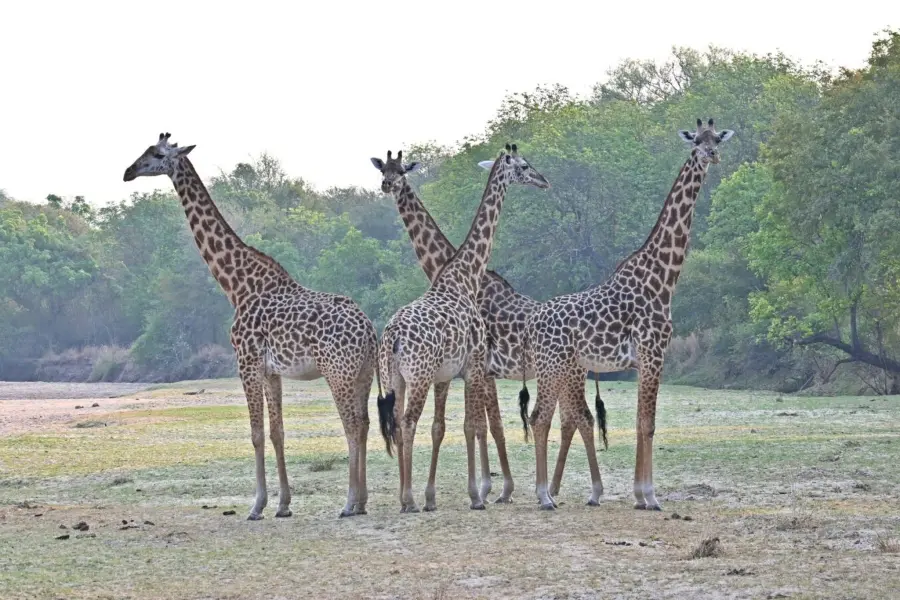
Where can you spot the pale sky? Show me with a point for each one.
(322, 86)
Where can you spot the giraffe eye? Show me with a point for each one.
(158, 155)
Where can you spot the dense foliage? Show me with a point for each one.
(792, 279)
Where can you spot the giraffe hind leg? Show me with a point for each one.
(438, 429)
(276, 433)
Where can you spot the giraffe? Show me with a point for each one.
(280, 329)
(624, 323)
(442, 335)
(502, 309)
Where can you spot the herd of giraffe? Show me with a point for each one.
(470, 323)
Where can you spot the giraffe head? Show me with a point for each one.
(705, 141)
(517, 168)
(158, 159)
(393, 171)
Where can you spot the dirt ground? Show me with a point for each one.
(764, 496)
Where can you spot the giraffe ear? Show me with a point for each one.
(379, 164)
(725, 135)
(185, 151)
(687, 136)
(486, 164)
(413, 166)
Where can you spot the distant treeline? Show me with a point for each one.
(791, 282)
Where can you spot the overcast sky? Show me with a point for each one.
(322, 86)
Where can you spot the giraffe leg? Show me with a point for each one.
(418, 394)
(541, 419)
(346, 399)
(399, 387)
(567, 432)
(251, 378)
(364, 388)
(481, 431)
(586, 428)
(276, 433)
(650, 368)
(470, 428)
(438, 428)
(495, 419)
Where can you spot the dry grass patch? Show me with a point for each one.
(710, 547)
(887, 545)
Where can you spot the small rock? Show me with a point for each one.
(741, 571)
(138, 490)
(207, 506)
(63, 526)
(39, 515)
(395, 571)
(85, 535)
(95, 405)
(754, 431)
(675, 516)
(81, 526)
(228, 513)
(688, 518)
(643, 544)
(124, 521)
(64, 536)
(77, 406)
(128, 526)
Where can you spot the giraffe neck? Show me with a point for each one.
(467, 266)
(432, 247)
(666, 246)
(240, 270)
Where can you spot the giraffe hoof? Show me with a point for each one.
(593, 503)
(283, 513)
(410, 509)
(361, 511)
(346, 513)
(502, 500)
(479, 506)
(255, 517)
(548, 506)
(655, 507)
(640, 506)
(430, 508)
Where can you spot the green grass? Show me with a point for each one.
(802, 505)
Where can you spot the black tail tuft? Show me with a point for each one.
(524, 399)
(387, 421)
(601, 420)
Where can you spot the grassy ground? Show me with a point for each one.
(800, 492)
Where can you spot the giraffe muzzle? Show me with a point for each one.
(129, 175)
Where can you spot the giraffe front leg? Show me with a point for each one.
(438, 428)
(495, 420)
(470, 429)
(251, 379)
(276, 433)
(648, 388)
(567, 432)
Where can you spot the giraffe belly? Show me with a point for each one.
(449, 370)
(605, 360)
(302, 368)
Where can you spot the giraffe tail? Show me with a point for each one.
(524, 398)
(601, 413)
(386, 419)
